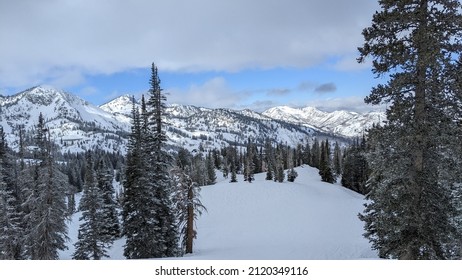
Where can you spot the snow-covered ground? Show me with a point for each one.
(304, 220)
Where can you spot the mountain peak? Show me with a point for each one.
(121, 105)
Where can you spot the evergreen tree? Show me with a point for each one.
(135, 214)
(315, 154)
(270, 160)
(105, 177)
(232, 154)
(279, 175)
(355, 168)
(233, 173)
(337, 161)
(416, 44)
(249, 168)
(10, 216)
(291, 175)
(211, 175)
(93, 237)
(307, 154)
(45, 188)
(325, 169)
(154, 234)
(187, 203)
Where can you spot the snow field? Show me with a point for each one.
(265, 220)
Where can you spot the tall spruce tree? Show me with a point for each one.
(45, 188)
(160, 162)
(105, 177)
(337, 160)
(410, 211)
(135, 214)
(355, 167)
(11, 245)
(154, 232)
(249, 162)
(93, 237)
(325, 169)
(210, 166)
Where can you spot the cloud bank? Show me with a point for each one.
(60, 42)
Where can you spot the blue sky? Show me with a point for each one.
(237, 54)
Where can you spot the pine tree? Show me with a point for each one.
(187, 202)
(93, 237)
(325, 169)
(307, 154)
(279, 175)
(337, 160)
(355, 167)
(315, 154)
(233, 173)
(249, 161)
(154, 233)
(135, 214)
(11, 246)
(105, 177)
(211, 175)
(45, 188)
(291, 175)
(416, 45)
(270, 160)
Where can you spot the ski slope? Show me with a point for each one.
(264, 220)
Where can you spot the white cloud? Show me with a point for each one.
(214, 93)
(82, 37)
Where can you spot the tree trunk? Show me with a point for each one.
(190, 223)
(420, 117)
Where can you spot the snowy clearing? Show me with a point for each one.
(304, 220)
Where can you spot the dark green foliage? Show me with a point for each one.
(93, 238)
(291, 175)
(325, 169)
(233, 173)
(355, 167)
(187, 200)
(149, 220)
(279, 174)
(315, 154)
(211, 175)
(104, 177)
(11, 230)
(250, 162)
(44, 188)
(337, 160)
(411, 211)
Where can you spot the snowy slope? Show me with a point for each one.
(74, 124)
(307, 219)
(344, 123)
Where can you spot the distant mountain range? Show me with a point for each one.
(348, 124)
(75, 125)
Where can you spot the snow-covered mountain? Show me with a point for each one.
(348, 124)
(190, 126)
(75, 125)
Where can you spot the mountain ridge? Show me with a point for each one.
(76, 125)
